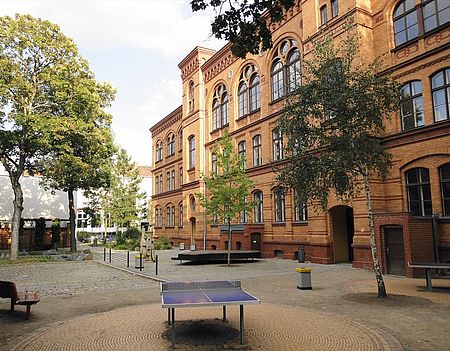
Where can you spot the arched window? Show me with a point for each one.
(285, 72)
(172, 221)
(323, 15)
(411, 105)
(192, 152)
(440, 86)
(444, 178)
(159, 151)
(171, 145)
(173, 179)
(192, 203)
(220, 107)
(243, 215)
(180, 214)
(419, 192)
(181, 176)
(277, 142)
(258, 209)
(191, 96)
(248, 90)
(214, 163)
(405, 22)
(168, 223)
(168, 181)
(161, 189)
(300, 209)
(181, 140)
(279, 205)
(435, 13)
(257, 152)
(242, 152)
(334, 8)
(156, 185)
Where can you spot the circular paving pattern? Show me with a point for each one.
(267, 327)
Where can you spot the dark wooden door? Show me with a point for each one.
(256, 241)
(395, 251)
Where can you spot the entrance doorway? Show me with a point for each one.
(193, 228)
(395, 251)
(255, 241)
(343, 231)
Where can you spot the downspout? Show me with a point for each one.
(435, 232)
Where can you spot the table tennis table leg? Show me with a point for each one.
(168, 316)
(241, 324)
(224, 312)
(173, 328)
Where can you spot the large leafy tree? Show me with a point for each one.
(245, 23)
(333, 124)
(37, 63)
(227, 187)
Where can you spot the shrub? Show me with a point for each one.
(56, 231)
(162, 243)
(83, 236)
(39, 232)
(133, 233)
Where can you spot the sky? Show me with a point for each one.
(135, 45)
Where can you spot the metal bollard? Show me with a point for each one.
(156, 265)
(128, 259)
(140, 261)
(104, 254)
(109, 255)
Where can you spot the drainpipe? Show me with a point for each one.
(435, 231)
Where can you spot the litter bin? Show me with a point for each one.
(301, 254)
(304, 278)
(137, 262)
(181, 246)
(192, 247)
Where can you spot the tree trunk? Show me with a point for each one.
(17, 215)
(229, 244)
(72, 217)
(373, 247)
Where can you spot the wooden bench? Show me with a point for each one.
(428, 267)
(8, 291)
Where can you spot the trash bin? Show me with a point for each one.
(301, 254)
(137, 262)
(304, 278)
(181, 246)
(192, 247)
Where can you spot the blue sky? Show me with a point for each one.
(134, 45)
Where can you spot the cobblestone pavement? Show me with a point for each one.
(90, 306)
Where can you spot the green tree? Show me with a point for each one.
(245, 23)
(35, 61)
(333, 124)
(227, 188)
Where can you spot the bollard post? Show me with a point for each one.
(140, 261)
(156, 264)
(128, 259)
(104, 254)
(109, 255)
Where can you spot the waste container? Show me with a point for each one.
(137, 262)
(301, 254)
(181, 246)
(304, 278)
(192, 247)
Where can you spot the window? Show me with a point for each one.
(161, 189)
(279, 202)
(419, 193)
(191, 96)
(159, 151)
(191, 152)
(258, 209)
(440, 87)
(444, 177)
(257, 154)
(214, 163)
(173, 179)
(405, 22)
(157, 185)
(334, 8)
(168, 181)
(285, 71)
(168, 223)
(248, 90)
(181, 176)
(243, 215)
(180, 214)
(277, 142)
(323, 15)
(158, 217)
(220, 107)
(181, 140)
(242, 153)
(172, 221)
(435, 13)
(300, 210)
(171, 145)
(411, 105)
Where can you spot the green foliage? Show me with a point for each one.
(83, 236)
(39, 232)
(333, 122)
(27, 260)
(162, 243)
(56, 231)
(133, 233)
(245, 23)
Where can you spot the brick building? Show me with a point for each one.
(412, 207)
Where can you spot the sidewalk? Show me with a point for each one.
(89, 306)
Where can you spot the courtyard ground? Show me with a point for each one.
(93, 305)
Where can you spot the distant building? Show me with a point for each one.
(412, 207)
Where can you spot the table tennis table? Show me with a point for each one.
(205, 293)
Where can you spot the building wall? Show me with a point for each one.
(323, 235)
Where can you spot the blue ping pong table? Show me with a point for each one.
(206, 293)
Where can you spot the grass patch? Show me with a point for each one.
(26, 260)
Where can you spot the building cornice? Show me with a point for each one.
(167, 121)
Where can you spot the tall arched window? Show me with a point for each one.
(411, 105)
(156, 185)
(444, 178)
(173, 179)
(279, 205)
(435, 13)
(300, 209)
(334, 8)
(242, 152)
(161, 189)
(171, 145)
(323, 15)
(419, 192)
(277, 142)
(159, 151)
(248, 90)
(285, 71)
(180, 214)
(214, 163)
(220, 107)
(257, 152)
(258, 209)
(440, 86)
(191, 96)
(168, 222)
(192, 152)
(405, 22)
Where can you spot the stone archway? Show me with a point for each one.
(343, 232)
